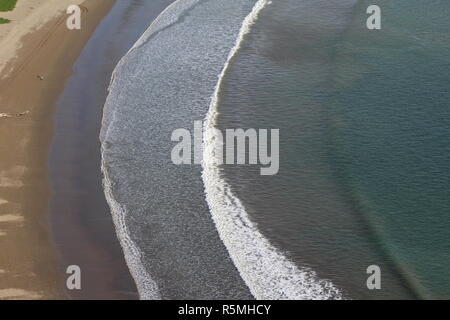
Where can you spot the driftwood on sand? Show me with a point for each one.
(17, 115)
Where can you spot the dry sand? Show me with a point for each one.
(37, 52)
(28, 16)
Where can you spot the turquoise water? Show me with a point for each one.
(364, 128)
(391, 143)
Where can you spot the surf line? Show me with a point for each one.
(147, 287)
(265, 270)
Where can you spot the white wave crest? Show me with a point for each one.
(147, 287)
(265, 270)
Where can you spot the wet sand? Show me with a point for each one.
(81, 220)
(30, 265)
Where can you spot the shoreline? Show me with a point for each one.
(30, 259)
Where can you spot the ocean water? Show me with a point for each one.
(364, 161)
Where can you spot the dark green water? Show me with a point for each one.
(364, 140)
(391, 143)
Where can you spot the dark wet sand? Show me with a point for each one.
(29, 263)
(81, 220)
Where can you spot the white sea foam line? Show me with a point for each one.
(147, 287)
(165, 19)
(159, 23)
(265, 270)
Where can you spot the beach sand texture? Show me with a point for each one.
(28, 16)
(37, 52)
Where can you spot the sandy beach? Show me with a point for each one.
(37, 52)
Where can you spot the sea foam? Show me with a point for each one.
(265, 270)
(147, 287)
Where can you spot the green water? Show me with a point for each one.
(391, 135)
(364, 140)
